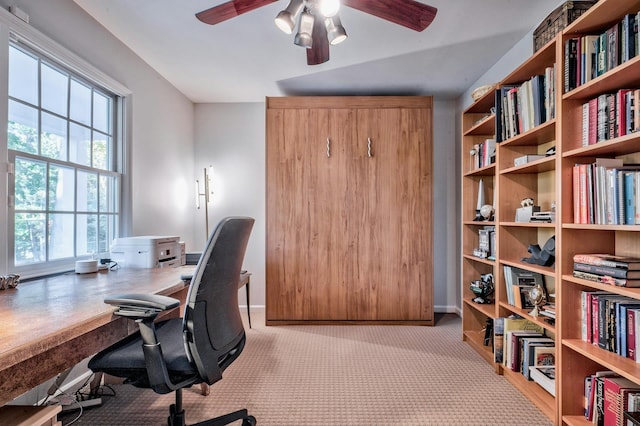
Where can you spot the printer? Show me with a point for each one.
(147, 252)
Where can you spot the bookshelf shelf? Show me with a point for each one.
(537, 136)
(486, 309)
(576, 421)
(524, 313)
(627, 74)
(609, 360)
(487, 126)
(627, 144)
(623, 291)
(528, 224)
(478, 223)
(602, 16)
(479, 259)
(538, 166)
(540, 397)
(475, 340)
(594, 227)
(489, 170)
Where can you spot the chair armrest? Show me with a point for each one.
(138, 306)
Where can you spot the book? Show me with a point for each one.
(608, 260)
(606, 270)
(545, 376)
(503, 327)
(615, 401)
(570, 64)
(536, 351)
(595, 409)
(605, 279)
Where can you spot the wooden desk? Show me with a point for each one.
(49, 325)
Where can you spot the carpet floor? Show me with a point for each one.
(325, 375)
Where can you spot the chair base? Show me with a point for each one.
(177, 416)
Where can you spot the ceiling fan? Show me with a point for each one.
(319, 27)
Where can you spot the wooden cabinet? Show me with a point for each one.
(349, 209)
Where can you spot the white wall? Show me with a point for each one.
(231, 137)
(161, 129)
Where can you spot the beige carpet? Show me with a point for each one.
(342, 375)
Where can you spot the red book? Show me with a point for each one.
(621, 112)
(614, 403)
(631, 334)
(594, 320)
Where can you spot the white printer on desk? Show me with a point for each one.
(146, 252)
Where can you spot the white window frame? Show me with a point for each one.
(14, 30)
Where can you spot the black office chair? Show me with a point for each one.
(177, 353)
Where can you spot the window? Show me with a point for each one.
(64, 188)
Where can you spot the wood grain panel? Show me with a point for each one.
(348, 234)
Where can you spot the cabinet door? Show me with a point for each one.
(307, 272)
(391, 223)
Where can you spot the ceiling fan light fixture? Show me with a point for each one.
(305, 29)
(335, 31)
(329, 8)
(286, 18)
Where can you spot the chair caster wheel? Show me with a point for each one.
(249, 421)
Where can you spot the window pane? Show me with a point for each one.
(101, 112)
(79, 144)
(29, 238)
(54, 137)
(80, 105)
(60, 231)
(107, 232)
(87, 192)
(87, 234)
(23, 76)
(30, 185)
(22, 130)
(100, 151)
(61, 188)
(107, 194)
(54, 90)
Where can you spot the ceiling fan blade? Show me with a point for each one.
(408, 13)
(319, 52)
(230, 10)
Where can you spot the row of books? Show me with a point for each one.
(606, 192)
(522, 107)
(621, 271)
(590, 56)
(520, 345)
(608, 396)
(484, 153)
(611, 322)
(610, 115)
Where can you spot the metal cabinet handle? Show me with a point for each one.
(369, 147)
(328, 148)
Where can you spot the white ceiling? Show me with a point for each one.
(247, 58)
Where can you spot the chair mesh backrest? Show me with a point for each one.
(212, 322)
